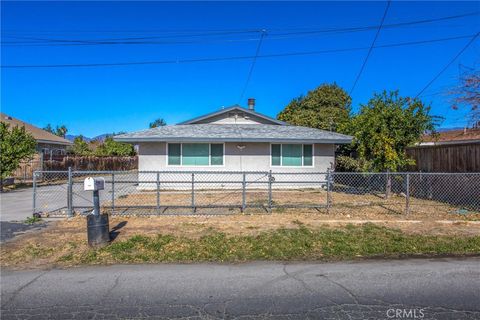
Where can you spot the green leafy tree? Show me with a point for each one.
(385, 126)
(15, 145)
(158, 123)
(327, 107)
(60, 131)
(109, 147)
(80, 147)
(49, 128)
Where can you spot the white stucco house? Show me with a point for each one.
(235, 139)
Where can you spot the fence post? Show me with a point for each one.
(34, 191)
(113, 192)
(193, 192)
(70, 193)
(407, 195)
(244, 185)
(158, 192)
(329, 186)
(270, 191)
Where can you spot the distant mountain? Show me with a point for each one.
(100, 137)
(72, 137)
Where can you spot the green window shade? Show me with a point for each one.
(275, 155)
(195, 154)
(307, 155)
(174, 153)
(291, 155)
(216, 152)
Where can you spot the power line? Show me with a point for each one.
(272, 36)
(274, 55)
(112, 40)
(371, 48)
(252, 66)
(472, 40)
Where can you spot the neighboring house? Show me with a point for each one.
(47, 143)
(235, 139)
(449, 151)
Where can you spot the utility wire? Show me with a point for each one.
(371, 48)
(252, 66)
(472, 40)
(273, 55)
(286, 35)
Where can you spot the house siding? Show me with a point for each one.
(254, 157)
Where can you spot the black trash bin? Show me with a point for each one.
(98, 230)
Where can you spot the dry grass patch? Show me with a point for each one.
(64, 242)
(299, 242)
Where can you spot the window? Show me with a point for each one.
(292, 155)
(174, 154)
(195, 154)
(216, 154)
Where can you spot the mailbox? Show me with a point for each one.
(93, 184)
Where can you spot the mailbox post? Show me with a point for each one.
(97, 224)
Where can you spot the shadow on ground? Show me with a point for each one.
(8, 230)
(114, 231)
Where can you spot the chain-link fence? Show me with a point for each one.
(60, 193)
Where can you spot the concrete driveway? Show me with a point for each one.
(16, 205)
(430, 289)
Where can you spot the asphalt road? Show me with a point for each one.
(404, 289)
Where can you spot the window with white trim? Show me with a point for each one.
(195, 154)
(292, 155)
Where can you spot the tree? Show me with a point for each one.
(158, 123)
(49, 128)
(109, 147)
(385, 126)
(467, 94)
(80, 147)
(60, 131)
(15, 145)
(327, 107)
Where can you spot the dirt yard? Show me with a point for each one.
(363, 205)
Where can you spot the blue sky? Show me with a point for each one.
(96, 100)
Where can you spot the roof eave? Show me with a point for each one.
(66, 143)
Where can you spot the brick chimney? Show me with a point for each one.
(251, 104)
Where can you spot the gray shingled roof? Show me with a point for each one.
(234, 133)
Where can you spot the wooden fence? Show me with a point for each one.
(25, 171)
(446, 158)
(93, 163)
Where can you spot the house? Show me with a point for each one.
(455, 150)
(235, 139)
(47, 143)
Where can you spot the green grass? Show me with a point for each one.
(283, 244)
(32, 220)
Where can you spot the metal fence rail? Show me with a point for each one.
(60, 193)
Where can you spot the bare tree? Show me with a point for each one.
(467, 94)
